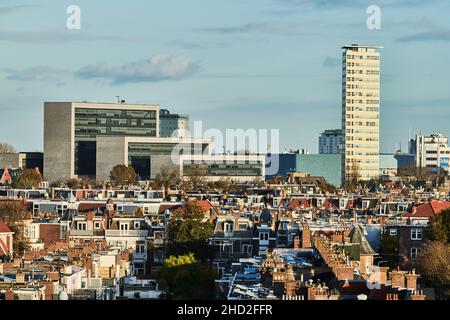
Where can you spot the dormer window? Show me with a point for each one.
(81, 226)
(137, 225)
(120, 208)
(228, 227)
(97, 225)
(263, 236)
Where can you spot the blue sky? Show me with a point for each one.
(231, 63)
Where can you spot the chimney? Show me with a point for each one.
(306, 236)
(411, 280)
(296, 242)
(397, 279)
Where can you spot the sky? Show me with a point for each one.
(263, 64)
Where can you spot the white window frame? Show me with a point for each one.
(97, 225)
(136, 225)
(415, 254)
(415, 232)
(247, 248)
(82, 223)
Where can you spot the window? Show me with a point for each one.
(123, 226)
(416, 234)
(264, 236)
(392, 232)
(247, 248)
(415, 253)
(81, 226)
(97, 225)
(228, 226)
(137, 225)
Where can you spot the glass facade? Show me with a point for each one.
(89, 123)
(140, 153)
(243, 169)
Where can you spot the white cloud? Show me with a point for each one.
(157, 68)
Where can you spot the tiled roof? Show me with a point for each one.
(3, 227)
(429, 209)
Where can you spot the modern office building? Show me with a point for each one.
(361, 112)
(171, 124)
(71, 130)
(147, 155)
(89, 139)
(239, 168)
(22, 160)
(331, 141)
(431, 152)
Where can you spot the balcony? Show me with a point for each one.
(126, 233)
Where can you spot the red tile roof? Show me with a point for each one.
(304, 203)
(429, 209)
(3, 227)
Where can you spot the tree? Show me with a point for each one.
(166, 178)
(434, 265)
(439, 227)
(223, 185)
(13, 213)
(122, 175)
(28, 178)
(187, 279)
(188, 232)
(6, 148)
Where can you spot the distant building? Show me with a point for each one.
(22, 160)
(71, 130)
(331, 141)
(170, 123)
(317, 165)
(431, 152)
(240, 168)
(361, 112)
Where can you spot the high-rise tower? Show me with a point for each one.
(360, 112)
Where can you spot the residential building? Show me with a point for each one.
(171, 124)
(6, 241)
(361, 112)
(331, 141)
(431, 152)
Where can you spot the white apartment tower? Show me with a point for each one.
(431, 152)
(361, 112)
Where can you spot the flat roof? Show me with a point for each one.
(361, 46)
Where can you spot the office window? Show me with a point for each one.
(416, 234)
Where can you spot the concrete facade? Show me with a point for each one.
(60, 136)
(59, 139)
(112, 151)
(361, 112)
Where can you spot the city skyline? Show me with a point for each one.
(212, 63)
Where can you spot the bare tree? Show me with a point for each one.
(6, 148)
